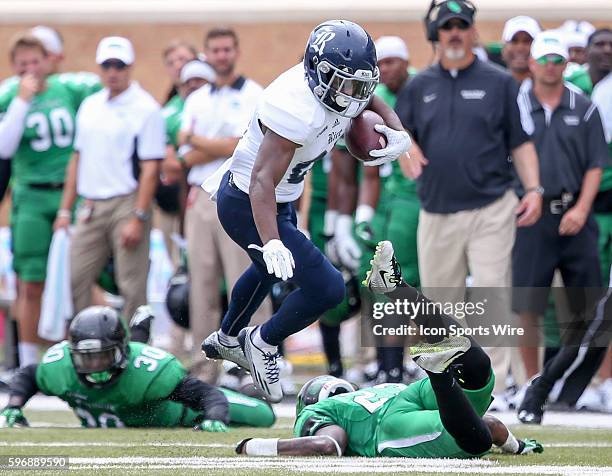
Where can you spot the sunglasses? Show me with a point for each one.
(449, 25)
(116, 64)
(554, 59)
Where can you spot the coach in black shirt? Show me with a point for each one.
(464, 119)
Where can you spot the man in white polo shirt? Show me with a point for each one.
(119, 143)
(214, 118)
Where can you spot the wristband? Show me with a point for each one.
(64, 213)
(537, 189)
(141, 214)
(363, 213)
(262, 447)
(329, 222)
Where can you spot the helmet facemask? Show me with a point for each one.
(342, 91)
(96, 366)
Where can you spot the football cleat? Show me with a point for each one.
(385, 274)
(531, 409)
(437, 357)
(216, 350)
(263, 364)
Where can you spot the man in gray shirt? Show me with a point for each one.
(567, 131)
(463, 116)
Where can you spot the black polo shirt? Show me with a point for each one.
(467, 126)
(570, 140)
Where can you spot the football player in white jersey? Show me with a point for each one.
(298, 120)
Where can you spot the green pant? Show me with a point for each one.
(381, 421)
(243, 411)
(32, 216)
(396, 220)
(604, 222)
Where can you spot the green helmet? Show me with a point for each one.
(320, 388)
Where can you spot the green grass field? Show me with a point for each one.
(185, 452)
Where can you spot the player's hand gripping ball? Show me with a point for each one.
(361, 137)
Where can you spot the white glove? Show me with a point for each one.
(278, 259)
(398, 143)
(349, 251)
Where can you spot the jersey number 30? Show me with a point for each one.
(149, 357)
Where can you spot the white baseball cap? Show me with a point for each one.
(520, 23)
(197, 69)
(575, 39)
(50, 39)
(391, 47)
(115, 47)
(549, 43)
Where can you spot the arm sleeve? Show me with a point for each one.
(12, 126)
(597, 154)
(405, 108)
(203, 398)
(152, 137)
(514, 132)
(5, 176)
(23, 384)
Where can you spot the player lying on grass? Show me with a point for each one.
(441, 416)
(110, 382)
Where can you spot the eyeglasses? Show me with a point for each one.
(449, 25)
(554, 59)
(116, 64)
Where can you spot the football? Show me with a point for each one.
(361, 137)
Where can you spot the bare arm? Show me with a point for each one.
(69, 194)
(147, 183)
(342, 183)
(574, 219)
(380, 107)
(369, 189)
(273, 159)
(328, 441)
(215, 147)
(526, 163)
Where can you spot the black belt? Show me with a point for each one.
(47, 186)
(559, 205)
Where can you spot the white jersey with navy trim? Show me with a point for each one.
(289, 108)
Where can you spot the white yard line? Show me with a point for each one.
(333, 465)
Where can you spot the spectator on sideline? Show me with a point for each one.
(517, 36)
(569, 138)
(119, 143)
(169, 196)
(214, 118)
(465, 121)
(30, 110)
(193, 76)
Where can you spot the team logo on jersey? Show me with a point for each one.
(333, 136)
(571, 120)
(323, 37)
(473, 93)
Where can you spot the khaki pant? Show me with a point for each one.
(169, 224)
(479, 243)
(212, 255)
(98, 237)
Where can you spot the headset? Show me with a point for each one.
(431, 18)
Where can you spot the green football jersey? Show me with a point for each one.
(46, 143)
(391, 420)
(172, 115)
(135, 399)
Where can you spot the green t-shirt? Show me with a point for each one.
(135, 399)
(172, 112)
(395, 183)
(46, 143)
